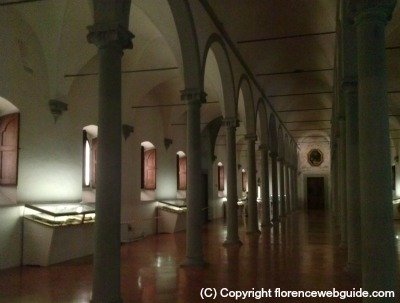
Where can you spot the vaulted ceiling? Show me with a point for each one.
(290, 47)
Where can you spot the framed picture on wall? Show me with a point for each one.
(315, 157)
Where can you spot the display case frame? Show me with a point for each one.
(60, 214)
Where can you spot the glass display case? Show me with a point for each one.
(171, 216)
(175, 206)
(57, 232)
(60, 214)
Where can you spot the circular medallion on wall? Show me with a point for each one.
(315, 157)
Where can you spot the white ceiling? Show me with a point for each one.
(290, 47)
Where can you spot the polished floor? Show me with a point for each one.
(300, 254)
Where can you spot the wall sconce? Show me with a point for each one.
(167, 142)
(127, 130)
(57, 108)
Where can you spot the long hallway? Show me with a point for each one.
(301, 255)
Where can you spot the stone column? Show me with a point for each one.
(275, 202)
(252, 222)
(266, 217)
(292, 176)
(232, 235)
(288, 197)
(342, 183)
(295, 183)
(282, 187)
(110, 39)
(290, 186)
(352, 174)
(333, 206)
(194, 245)
(379, 259)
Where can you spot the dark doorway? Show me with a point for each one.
(315, 193)
(204, 181)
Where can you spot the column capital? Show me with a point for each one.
(193, 95)
(273, 154)
(230, 122)
(281, 159)
(251, 137)
(102, 35)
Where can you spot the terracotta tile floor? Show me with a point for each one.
(299, 255)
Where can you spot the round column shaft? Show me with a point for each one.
(342, 183)
(266, 217)
(252, 223)
(379, 260)
(232, 235)
(275, 201)
(287, 187)
(194, 216)
(282, 187)
(107, 260)
(352, 174)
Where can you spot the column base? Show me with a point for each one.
(353, 269)
(229, 243)
(193, 262)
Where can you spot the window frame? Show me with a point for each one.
(221, 178)
(179, 172)
(145, 170)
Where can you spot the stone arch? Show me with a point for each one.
(262, 119)
(287, 148)
(273, 139)
(292, 151)
(244, 91)
(218, 48)
(281, 142)
(192, 73)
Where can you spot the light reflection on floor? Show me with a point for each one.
(300, 253)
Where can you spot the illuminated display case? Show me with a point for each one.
(171, 216)
(54, 233)
(60, 214)
(177, 206)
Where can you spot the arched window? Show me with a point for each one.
(90, 144)
(9, 131)
(181, 163)
(148, 163)
(221, 177)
